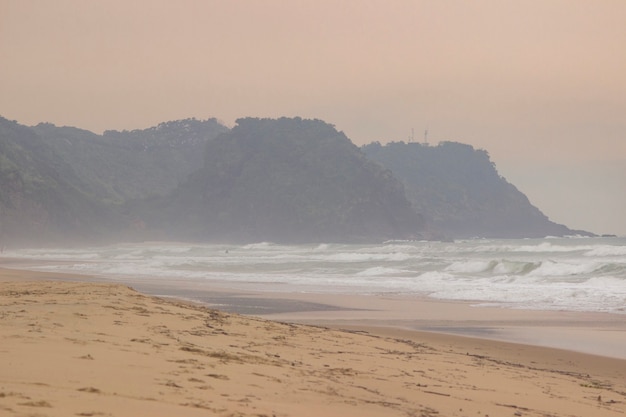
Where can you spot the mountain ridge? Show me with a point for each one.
(286, 179)
(291, 180)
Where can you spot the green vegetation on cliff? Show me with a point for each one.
(460, 193)
(290, 180)
(62, 184)
(283, 180)
(39, 199)
(118, 166)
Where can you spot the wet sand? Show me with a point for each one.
(73, 346)
(594, 333)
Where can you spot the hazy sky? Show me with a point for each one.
(539, 84)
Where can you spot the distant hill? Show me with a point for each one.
(460, 193)
(119, 166)
(41, 200)
(282, 180)
(63, 184)
(289, 180)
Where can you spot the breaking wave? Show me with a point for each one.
(565, 274)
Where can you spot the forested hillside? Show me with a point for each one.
(282, 180)
(119, 166)
(460, 193)
(42, 200)
(289, 180)
(63, 184)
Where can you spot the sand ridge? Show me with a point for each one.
(92, 349)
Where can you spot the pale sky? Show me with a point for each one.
(539, 84)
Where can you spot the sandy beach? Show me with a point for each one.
(73, 346)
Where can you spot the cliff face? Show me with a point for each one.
(460, 193)
(290, 180)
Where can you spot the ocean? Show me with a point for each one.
(567, 274)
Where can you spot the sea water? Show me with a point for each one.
(570, 274)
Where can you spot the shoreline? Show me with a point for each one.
(598, 334)
(79, 345)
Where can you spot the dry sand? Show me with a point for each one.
(94, 349)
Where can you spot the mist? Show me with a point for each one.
(539, 85)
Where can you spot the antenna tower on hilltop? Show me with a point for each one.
(426, 137)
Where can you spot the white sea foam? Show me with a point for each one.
(566, 274)
(563, 269)
(380, 271)
(259, 245)
(607, 251)
(515, 267)
(366, 257)
(547, 247)
(470, 266)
